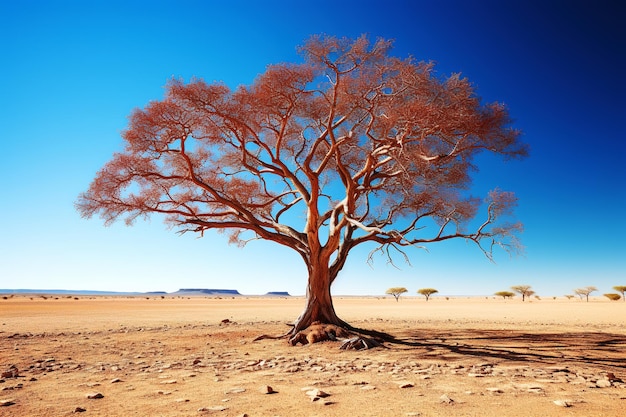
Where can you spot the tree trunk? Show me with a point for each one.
(319, 303)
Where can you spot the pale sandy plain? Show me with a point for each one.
(154, 356)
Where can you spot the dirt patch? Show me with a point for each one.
(173, 357)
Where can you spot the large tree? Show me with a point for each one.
(350, 147)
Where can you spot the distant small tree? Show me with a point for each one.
(523, 290)
(622, 289)
(396, 291)
(569, 296)
(505, 294)
(613, 296)
(585, 291)
(427, 292)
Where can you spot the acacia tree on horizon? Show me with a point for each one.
(350, 147)
(427, 292)
(523, 290)
(396, 292)
(621, 289)
(504, 294)
(585, 291)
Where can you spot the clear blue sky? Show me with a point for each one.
(71, 72)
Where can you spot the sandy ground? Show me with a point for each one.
(170, 356)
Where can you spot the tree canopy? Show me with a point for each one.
(351, 146)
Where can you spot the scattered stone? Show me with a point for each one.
(12, 372)
(169, 382)
(236, 391)
(562, 403)
(80, 410)
(445, 399)
(214, 408)
(266, 389)
(611, 377)
(95, 396)
(316, 394)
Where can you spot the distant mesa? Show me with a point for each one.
(180, 292)
(279, 293)
(204, 291)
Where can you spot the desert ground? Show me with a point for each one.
(195, 356)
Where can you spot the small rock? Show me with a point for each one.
(445, 399)
(80, 410)
(169, 382)
(611, 377)
(562, 403)
(115, 380)
(6, 403)
(368, 387)
(12, 372)
(495, 390)
(95, 396)
(317, 393)
(603, 383)
(214, 408)
(236, 391)
(405, 385)
(266, 389)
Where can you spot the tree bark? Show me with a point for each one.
(319, 303)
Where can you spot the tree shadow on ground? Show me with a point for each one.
(584, 348)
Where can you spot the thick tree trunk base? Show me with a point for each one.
(321, 332)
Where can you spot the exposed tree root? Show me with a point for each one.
(360, 343)
(320, 332)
